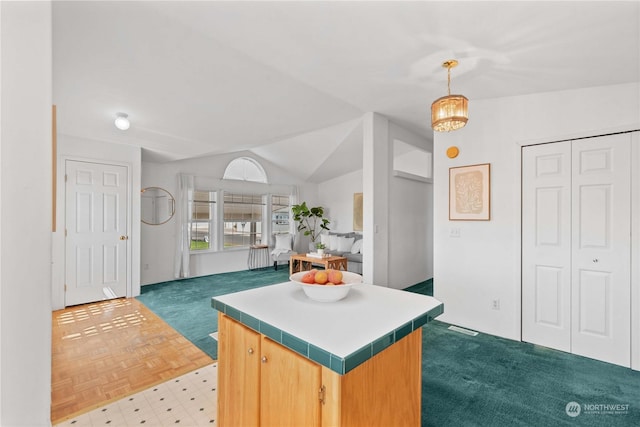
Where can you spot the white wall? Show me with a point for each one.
(410, 232)
(483, 264)
(336, 196)
(397, 211)
(73, 148)
(25, 213)
(410, 220)
(376, 171)
(158, 242)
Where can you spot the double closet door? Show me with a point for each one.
(576, 247)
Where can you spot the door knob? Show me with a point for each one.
(250, 351)
(124, 237)
(264, 359)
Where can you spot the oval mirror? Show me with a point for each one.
(158, 205)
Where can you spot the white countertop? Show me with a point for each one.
(366, 314)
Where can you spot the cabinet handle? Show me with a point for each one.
(250, 351)
(264, 359)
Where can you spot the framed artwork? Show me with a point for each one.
(469, 193)
(357, 211)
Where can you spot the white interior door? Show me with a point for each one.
(546, 245)
(601, 277)
(576, 247)
(96, 232)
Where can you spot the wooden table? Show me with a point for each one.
(302, 263)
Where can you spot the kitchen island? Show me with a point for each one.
(284, 359)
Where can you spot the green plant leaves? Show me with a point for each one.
(310, 220)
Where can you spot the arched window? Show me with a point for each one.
(245, 169)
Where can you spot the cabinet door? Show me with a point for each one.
(289, 388)
(238, 374)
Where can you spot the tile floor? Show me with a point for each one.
(189, 400)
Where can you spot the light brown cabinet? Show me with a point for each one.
(238, 374)
(289, 388)
(262, 383)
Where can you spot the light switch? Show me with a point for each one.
(454, 232)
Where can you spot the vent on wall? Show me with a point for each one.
(463, 330)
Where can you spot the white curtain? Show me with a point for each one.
(293, 227)
(183, 232)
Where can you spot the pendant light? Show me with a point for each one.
(450, 112)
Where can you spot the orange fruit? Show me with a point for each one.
(335, 276)
(321, 277)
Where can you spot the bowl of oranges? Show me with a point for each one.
(326, 285)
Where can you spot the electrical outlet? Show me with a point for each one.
(495, 304)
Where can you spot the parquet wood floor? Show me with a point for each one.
(107, 350)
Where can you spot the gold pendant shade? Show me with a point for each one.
(450, 112)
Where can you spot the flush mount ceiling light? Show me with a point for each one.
(450, 112)
(122, 121)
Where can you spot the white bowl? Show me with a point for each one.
(330, 293)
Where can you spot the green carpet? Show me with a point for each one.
(185, 304)
(491, 381)
(467, 381)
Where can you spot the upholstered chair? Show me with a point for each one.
(281, 248)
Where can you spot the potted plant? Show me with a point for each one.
(320, 248)
(311, 221)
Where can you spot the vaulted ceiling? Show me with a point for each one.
(286, 79)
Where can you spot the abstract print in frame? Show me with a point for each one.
(357, 212)
(469, 196)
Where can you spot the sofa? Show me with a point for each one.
(348, 245)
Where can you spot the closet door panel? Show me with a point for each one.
(635, 251)
(546, 245)
(601, 248)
